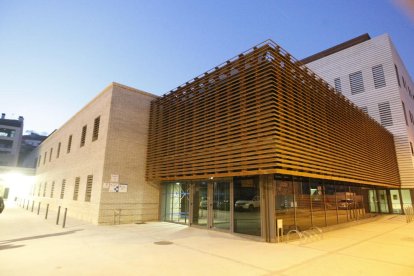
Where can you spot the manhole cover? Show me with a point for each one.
(163, 242)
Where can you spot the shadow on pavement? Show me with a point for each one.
(8, 246)
(39, 236)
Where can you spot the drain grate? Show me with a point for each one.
(163, 243)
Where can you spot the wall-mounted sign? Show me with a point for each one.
(118, 188)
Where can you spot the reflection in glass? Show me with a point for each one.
(247, 205)
(317, 202)
(406, 198)
(395, 201)
(383, 203)
(221, 205)
(331, 204)
(175, 202)
(303, 210)
(343, 201)
(285, 202)
(373, 201)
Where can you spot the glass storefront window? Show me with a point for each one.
(221, 205)
(175, 203)
(395, 201)
(247, 206)
(285, 202)
(303, 210)
(317, 200)
(331, 204)
(200, 203)
(406, 198)
(383, 202)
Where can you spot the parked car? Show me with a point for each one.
(248, 204)
(346, 204)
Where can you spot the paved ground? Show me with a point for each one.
(31, 245)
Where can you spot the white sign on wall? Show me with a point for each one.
(118, 188)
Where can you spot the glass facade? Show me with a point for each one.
(249, 205)
(175, 202)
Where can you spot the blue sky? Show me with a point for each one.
(55, 56)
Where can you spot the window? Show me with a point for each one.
(398, 75)
(338, 85)
(52, 190)
(357, 83)
(39, 188)
(364, 109)
(88, 192)
(82, 143)
(411, 117)
(405, 114)
(412, 150)
(58, 150)
(385, 114)
(50, 154)
(76, 190)
(39, 159)
(44, 158)
(69, 143)
(403, 81)
(62, 191)
(378, 75)
(96, 128)
(44, 189)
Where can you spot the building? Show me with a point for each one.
(261, 139)
(370, 72)
(94, 165)
(259, 145)
(28, 153)
(11, 131)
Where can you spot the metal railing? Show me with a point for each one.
(312, 234)
(409, 213)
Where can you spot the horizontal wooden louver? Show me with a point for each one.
(378, 75)
(385, 113)
(263, 112)
(356, 82)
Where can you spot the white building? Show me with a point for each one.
(372, 75)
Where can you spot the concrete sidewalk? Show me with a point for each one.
(30, 245)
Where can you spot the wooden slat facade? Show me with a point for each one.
(264, 112)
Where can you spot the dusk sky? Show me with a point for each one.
(56, 56)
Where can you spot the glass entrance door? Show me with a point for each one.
(201, 203)
(211, 204)
(221, 205)
(383, 203)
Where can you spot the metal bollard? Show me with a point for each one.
(27, 207)
(38, 208)
(58, 214)
(64, 218)
(32, 205)
(47, 210)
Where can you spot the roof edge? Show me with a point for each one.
(336, 48)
